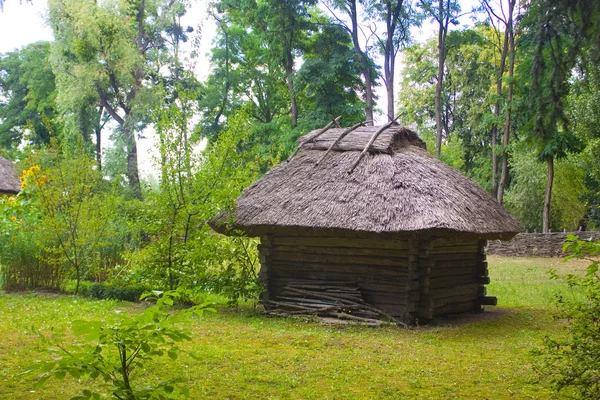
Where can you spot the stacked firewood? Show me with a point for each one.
(339, 301)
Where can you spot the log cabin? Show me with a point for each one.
(370, 207)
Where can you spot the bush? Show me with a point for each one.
(121, 354)
(572, 363)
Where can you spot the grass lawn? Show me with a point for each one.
(248, 356)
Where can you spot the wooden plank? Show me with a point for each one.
(339, 242)
(470, 249)
(452, 281)
(380, 272)
(466, 257)
(340, 259)
(488, 301)
(470, 289)
(364, 284)
(441, 272)
(346, 251)
(456, 308)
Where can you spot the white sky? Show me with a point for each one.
(21, 24)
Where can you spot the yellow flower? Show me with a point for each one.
(14, 219)
(11, 200)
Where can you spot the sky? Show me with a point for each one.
(24, 23)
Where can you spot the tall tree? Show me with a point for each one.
(501, 21)
(469, 74)
(110, 54)
(444, 13)
(282, 25)
(351, 10)
(560, 32)
(398, 17)
(27, 97)
(329, 81)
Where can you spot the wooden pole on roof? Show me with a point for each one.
(342, 135)
(337, 124)
(322, 131)
(375, 135)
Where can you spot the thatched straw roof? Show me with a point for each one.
(9, 182)
(397, 189)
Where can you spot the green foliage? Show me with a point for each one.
(194, 187)
(466, 99)
(27, 97)
(570, 363)
(24, 262)
(66, 220)
(525, 198)
(118, 353)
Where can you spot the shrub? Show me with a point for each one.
(114, 352)
(571, 363)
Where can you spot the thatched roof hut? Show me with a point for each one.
(398, 223)
(9, 182)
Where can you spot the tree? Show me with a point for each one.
(328, 82)
(76, 211)
(557, 40)
(111, 55)
(505, 45)
(398, 17)
(27, 97)
(281, 25)
(351, 10)
(244, 77)
(466, 112)
(445, 12)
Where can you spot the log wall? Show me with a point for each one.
(453, 280)
(410, 279)
(536, 244)
(379, 268)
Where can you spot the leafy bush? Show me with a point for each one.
(114, 352)
(26, 262)
(571, 363)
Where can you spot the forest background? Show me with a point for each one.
(506, 92)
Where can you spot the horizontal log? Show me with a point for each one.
(468, 257)
(345, 251)
(456, 308)
(442, 271)
(451, 241)
(452, 281)
(276, 284)
(488, 301)
(340, 259)
(437, 303)
(453, 249)
(483, 280)
(378, 299)
(340, 242)
(482, 291)
(353, 270)
(459, 290)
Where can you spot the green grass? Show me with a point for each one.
(245, 355)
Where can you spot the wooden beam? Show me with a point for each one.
(375, 135)
(342, 135)
(322, 131)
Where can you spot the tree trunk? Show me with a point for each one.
(289, 70)
(133, 175)
(363, 62)
(506, 136)
(440, 81)
(389, 86)
(548, 198)
(99, 149)
(497, 104)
